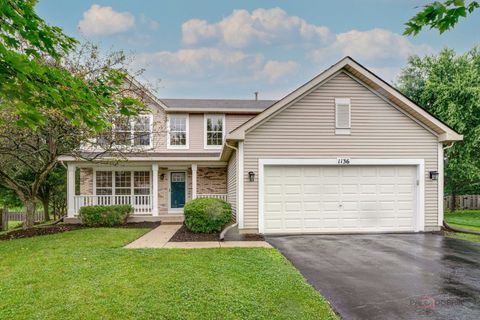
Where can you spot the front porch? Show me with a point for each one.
(157, 192)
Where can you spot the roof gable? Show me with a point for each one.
(373, 82)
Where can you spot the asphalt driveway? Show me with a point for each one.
(395, 276)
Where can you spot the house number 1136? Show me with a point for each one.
(343, 160)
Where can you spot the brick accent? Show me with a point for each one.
(163, 190)
(212, 180)
(86, 181)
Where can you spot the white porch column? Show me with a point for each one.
(71, 190)
(194, 180)
(155, 190)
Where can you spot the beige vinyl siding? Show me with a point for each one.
(233, 121)
(196, 130)
(232, 183)
(306, 129)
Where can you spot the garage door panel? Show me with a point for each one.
(339, 199)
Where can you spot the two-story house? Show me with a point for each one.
(345, 152)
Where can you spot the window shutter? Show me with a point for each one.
(342, 113)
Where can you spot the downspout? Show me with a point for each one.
(446, 148)
(224, 231)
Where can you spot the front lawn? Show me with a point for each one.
(86, 274)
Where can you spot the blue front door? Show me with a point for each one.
(177, 189)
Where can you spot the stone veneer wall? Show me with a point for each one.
(212, 180)
(86, 181)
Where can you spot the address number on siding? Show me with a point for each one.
(343, 160)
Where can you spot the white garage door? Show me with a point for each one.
(309, 199)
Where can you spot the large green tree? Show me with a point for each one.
(33, 78)
(440, 15)
(448, 86)
(54, 97)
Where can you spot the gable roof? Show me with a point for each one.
(443, 131)
(217, 105)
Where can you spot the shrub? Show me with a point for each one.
(105, 215)
(207, 215)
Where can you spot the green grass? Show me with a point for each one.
(85, 274)
(467, 219)
(464, 236)
(13, 224)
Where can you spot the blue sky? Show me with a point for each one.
(230, 49)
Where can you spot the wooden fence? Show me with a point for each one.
(6, 216)
(468, 202)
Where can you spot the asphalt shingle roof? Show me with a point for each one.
(213, 104)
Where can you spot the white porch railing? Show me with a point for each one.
(142, 204)
(223, 197)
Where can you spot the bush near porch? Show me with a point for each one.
(107, 216)
(207, 215)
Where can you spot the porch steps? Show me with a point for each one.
(172, 218)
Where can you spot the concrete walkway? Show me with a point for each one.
(157, 238)
(160, 236)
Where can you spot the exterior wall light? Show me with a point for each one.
(433, 175)
(162, 176)
(251, 176)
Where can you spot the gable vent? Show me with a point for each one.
(342, 113)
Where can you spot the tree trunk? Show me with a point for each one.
(46, 202)
(30, 213)
(453, 206)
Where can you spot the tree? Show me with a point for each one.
(33, 77)
(448, 86)
(54, 97)
(28, 155)
(440, 15)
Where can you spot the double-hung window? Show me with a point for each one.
(342, 116)
(122, 183)
(177, 131)
(135, 131)
(214, 131)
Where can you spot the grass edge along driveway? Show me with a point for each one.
(466, 219)
(86, 274)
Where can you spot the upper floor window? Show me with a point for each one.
(214, 131)
(177, 131)
(342, 115)
(135, 131)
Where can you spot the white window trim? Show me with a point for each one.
(420, 188)
(132, 133)
(343, 130)
(205, 116)
(187, 134)
(131, 170)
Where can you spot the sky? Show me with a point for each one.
(231, 49)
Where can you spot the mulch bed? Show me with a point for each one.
(185, 235)
(59, 228)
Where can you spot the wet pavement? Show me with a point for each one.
(395, 276)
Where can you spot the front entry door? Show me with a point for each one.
(177, 190)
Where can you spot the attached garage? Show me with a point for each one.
(320, 198)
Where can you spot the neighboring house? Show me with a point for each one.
(344, 152)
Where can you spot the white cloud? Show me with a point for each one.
(150, 23)
(369, 45)
(242, 28)
(275, 70)
(104, 21)
(200, 62)
(220, 64)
